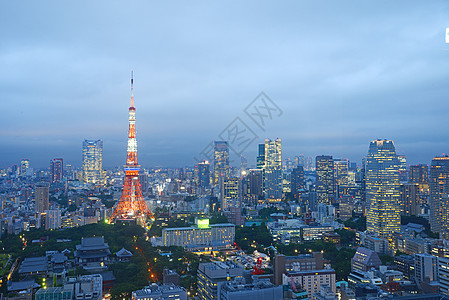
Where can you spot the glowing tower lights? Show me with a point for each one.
(132, 205)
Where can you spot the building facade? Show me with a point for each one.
(93, 161)
(42, 197)
(272, 170)
(221, 161)
(325, 181)
(439, 187)
(383, 189)
(200, 237)
(56, 170)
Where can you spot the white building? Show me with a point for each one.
(426, 265)
(201, 236)
(311, 281)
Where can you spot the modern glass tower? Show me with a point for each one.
(272, 170)
(325, 179)
(383, 189)
(93, 161)
(221, 160)
(203, 174)
(439, 188)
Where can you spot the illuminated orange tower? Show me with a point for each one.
(132, 206)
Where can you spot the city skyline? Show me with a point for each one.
(339, 86)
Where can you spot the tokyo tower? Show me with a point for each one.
(132, 206)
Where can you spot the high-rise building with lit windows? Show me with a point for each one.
(272, 170)
(260, 160)
(56, 170)
(203, 174)
(439, 188)
(231, 193)
(221, 160)
(93, 161)
(383, 189)
(24, 165)
(419, 174)
(325, 180)
(341, 169)
(41, 197)
(254, 184)
(297, 181)
(403, 174)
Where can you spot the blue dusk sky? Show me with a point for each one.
(342, 72)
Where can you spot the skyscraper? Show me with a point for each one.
(325, 180)
(24, 165)
(260, 160)
(409, 199)
(439, 187)
(382, 189)
(341, 169)
(93, 161)
(231, 193)
(272, 170)
(254, 181)
(56, 170)
(221, 160)
(41, 197)
(402, 168)
(420, 174)
(203, 174)
(297, 181)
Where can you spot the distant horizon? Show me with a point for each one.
(233, 160)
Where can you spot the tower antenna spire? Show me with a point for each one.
(132, 88)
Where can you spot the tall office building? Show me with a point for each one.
(24, 165)
(260, 160)
(231, 193)
(341, 170)
(272, 170)
(203, 174)
(420, 174)
(383, 189)
(41, 197)
(403, 174)
(68, 171)
(56, 170)
(221, 160)
(297, 181)
(325, 180)
(93, 161)
(439, 187)
(409, 199)
(254, 183)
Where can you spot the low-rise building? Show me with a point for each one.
(325, 293)
(310, 280)
(93, 254)
(200, 237)
(258, 289)
(301, 262)
(364, 259)
(160, 292)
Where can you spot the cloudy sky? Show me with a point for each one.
(343, 73)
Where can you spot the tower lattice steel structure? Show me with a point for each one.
(132, 204)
